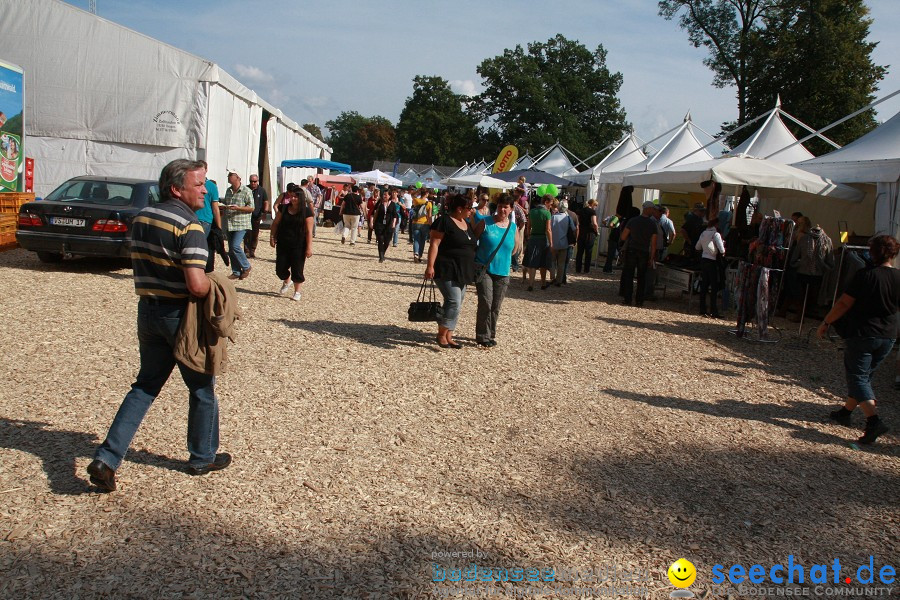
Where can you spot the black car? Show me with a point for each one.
(87, 216)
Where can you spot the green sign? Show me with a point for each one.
(12, 130)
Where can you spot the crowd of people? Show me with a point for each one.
(472, 239)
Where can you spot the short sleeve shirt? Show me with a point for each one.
(538, 218)
(641, 230)
(238, 221)
(876, 294)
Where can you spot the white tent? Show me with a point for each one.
(755, 173)
(524, 162)
(471, 181)
(873, 158)
(103, 99)
(555, 162)
(773, 141)
(625, 154)
(377, 177)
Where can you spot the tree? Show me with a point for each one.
(556, 91)
(730, 30)
(314, 130)
(360, 140)
(433, 127)
(815, 54)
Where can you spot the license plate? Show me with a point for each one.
(67, 221)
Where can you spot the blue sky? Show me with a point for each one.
(316, 58)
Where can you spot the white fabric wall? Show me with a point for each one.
(59, 159)
(887, 208)
(284, 143)
(232, 135)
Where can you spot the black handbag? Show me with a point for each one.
(426, 307)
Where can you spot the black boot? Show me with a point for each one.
(841, 416)
(874, 428)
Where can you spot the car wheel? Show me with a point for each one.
(49, 257)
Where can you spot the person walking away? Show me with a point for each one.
(868, 311)
(351, 211)
(238, 207)
(210, 219)
(639, 237)
(561, 225)
(588, 229)
(711, 248)
(421, 220)
(371, 203)
(496, 240)
(451, 263)
(318, 196)
(260, 207)
(570, 250)
(540, 239)
(291, 236)
(384, 220)
(168, 255)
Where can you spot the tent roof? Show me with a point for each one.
(682, 148)
(524, 162)
(317, 163)
(556, 163)
(773, 141)
(627, 153)
(873, 158)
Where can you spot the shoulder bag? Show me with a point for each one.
(480, 269)
(426, 307)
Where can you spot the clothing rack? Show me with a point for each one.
(775, 239)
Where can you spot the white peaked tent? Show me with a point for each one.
(524, 162)
(431, 174)
(773, 141)
(103, 99)
(682, 148)
(409, 177)
(625, 154)
(377, 177)
(873, 158)
(555, 162)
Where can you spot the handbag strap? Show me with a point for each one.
(502, 239)
(427, 294)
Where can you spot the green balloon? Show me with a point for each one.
(552, 190)
(542, 190)
(418, 184)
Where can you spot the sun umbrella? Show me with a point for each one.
(532, 177)
(377, 177)
(471, 181)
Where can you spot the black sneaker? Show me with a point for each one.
(102, 475)
(872, 431)
(840, 416)
(222, 461)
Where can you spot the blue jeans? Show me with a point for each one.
(396, 233)
(862, 355)
(239, 262)
(157, 325)
(420, 234)
(453, 293)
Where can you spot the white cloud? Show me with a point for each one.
(252, 75)
(466, 87)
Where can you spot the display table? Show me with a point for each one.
(677, 278)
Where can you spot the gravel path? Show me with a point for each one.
(592, 435)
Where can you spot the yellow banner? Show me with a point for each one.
(506, 159)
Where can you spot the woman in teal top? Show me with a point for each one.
(496, 240)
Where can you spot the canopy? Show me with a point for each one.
(555, 162)
(773, 141)
(471, 181)
(532, 177)
(738, 171)
(316, 163)
(377, 177)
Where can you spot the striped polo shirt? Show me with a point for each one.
(165, 238)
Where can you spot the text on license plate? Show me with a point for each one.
(67, 221)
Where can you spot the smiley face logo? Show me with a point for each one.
(682, 573)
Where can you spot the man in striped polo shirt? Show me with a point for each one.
(168, 255)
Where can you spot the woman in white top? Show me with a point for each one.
(713, 247)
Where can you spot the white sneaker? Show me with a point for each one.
(296, 296)
(285, 288)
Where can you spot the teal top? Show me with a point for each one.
(489, 240)
(212, 195)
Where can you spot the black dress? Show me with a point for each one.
(290, 246)
(456, 254)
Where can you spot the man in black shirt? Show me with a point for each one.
(260, 206)
(639, 238)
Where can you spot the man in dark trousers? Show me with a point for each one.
(260, 207)
(168, 255)
(639, 237)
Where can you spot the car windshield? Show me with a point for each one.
(107, 193)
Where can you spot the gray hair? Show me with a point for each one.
(173, 174)
(563, 205)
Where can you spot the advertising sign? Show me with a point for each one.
(506, 159)
(12, 130)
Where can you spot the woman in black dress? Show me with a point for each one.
(384, 220)
(451, 263)
(291, 236)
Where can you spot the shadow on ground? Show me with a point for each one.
(379, 336)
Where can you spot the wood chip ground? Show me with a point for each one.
(592, 435)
